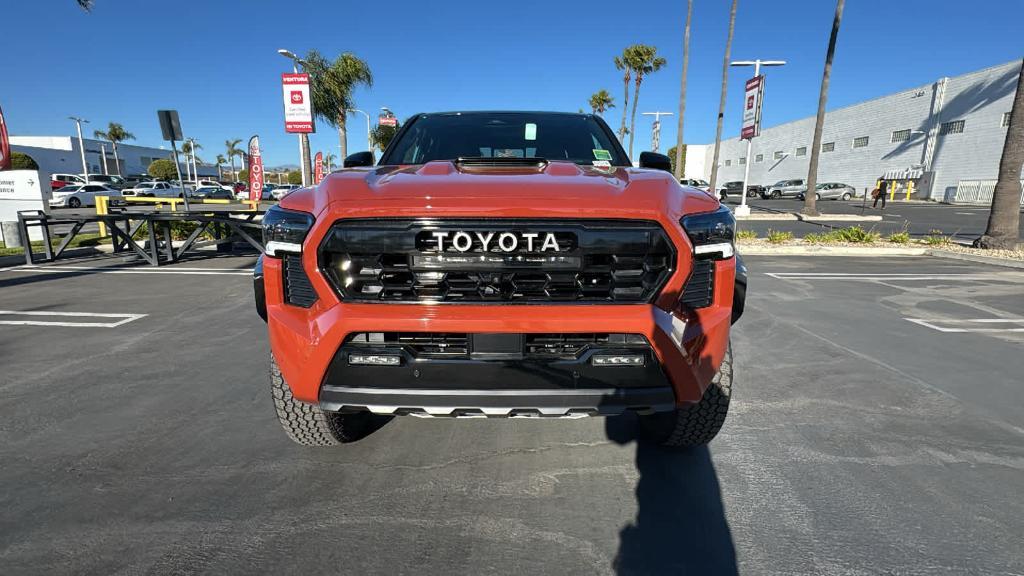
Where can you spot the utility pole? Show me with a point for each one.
(369, 145)
(656, 128)
(679, 161)
(81, 145)
(743, 209)
(304, 159)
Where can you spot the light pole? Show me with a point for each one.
(195, 168)
(656, 128)
(369, 145)
(81, 145)
(303, 137)
(743, 209)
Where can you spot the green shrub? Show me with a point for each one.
(746, 235)
(900, 237)
(937, 238)
(295, 177)
(21, 161)
(817, 238)
(778, 237)
(856, 235)
(162, 169)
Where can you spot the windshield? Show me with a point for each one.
(578, 138)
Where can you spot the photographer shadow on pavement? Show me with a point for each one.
(680, 526)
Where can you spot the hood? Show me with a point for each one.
(557, 188)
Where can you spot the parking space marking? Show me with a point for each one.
(123, 318)
(877, 276)
(971, 324)
(139, 270)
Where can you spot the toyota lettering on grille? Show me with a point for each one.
(474, 241)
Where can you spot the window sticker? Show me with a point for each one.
(531, 131)
(602, 164)
(600, 154)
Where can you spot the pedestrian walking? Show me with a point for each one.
(879, 194)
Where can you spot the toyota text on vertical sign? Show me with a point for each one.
(298, 108)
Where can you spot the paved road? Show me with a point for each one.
(860, 442)
(964, 223)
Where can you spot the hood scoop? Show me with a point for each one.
(500, 162)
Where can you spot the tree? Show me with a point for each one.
(114, 133)
(1003, 230)
(682, 159)
(243, 175)
(162, 169)
(381, 135)
(232, 150)
(810, 198)
(601, 101)
(721, 98)
(677, 163)
(329, 161)
(84, 4)
(643, 60)
(295, 177)
(332, 85)
(220, 160)
(621, 64)
(21, 161)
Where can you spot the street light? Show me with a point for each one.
(303, 137)
(81, 145)
(743, 209)
(369, 146)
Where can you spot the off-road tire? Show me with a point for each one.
(308, 425)
(696, 424)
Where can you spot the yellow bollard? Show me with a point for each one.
(101, 209)
(910, 188)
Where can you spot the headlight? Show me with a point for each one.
(284, 230)
(711, 233)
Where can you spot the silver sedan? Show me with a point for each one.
(833, 191)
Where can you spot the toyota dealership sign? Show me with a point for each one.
(298, 108)
(752, 97)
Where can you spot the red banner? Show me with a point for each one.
(298, 108)
(255, 170)
(318, 171)
(5, 145)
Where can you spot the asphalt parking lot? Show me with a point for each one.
(877, 427)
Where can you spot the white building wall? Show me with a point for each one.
(979, 98)
(59, 155)
(696, 163)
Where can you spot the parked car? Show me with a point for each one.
(78, 195)
(58, 181)
(107, 180)
(154, 189)
(213, 184)
(210, 193)
(832, 191)
(696, 183)
(134, 179)
(280, 190)
(785, 189)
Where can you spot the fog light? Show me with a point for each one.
(627, 360)
(374, 359)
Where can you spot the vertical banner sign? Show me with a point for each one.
(752, 97)
(318, 171)
(5, 145)
(255, 170)
(298, 109)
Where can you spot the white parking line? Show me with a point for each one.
(124, 318)
(965, 325)
(139, 270)
(875, 276)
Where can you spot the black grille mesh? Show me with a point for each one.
(297, 289)
(700, 288)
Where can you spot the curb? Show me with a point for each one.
(1019, 264)
(796, 216)
(829, 251)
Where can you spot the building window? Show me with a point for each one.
(778, 155)
(860, 142)
(954, 127)
(900, 135)
(759, 158)
(1006, 119)
(743, 160)
(801, 151)
(728, 162)
(828, 147)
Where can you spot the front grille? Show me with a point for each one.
(605, 261)
(297, 289)
(461, 344)
(699, 291)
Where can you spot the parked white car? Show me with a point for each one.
(78, 195)
(281, 189)
(154, 190)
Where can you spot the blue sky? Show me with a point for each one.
(216, 61)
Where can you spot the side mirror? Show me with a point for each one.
(655, 161)
(358, 159)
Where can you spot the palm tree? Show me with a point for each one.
(721, 99)
(810, 198)
(332, 85)
(601, 101)
(85, 4)
(1003, 230)
(220, 160)
(189, 147)
(329, 159)
(621, 64)
(677, 168)
(232, 150)
(643, 60)
(114, 133)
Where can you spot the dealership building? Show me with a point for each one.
(941, 141)
(60, 155)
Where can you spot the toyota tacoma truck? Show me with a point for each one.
(500, 264)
